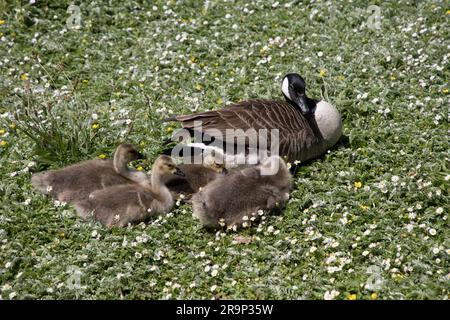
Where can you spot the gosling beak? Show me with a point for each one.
(300, 101)
(178, 172)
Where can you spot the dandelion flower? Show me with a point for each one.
(322, 73)
(102, 156)
(95, 126)
(3, 21)
(140, 168)
(12, 126)
(3, 143)
(351, 297)
(2, 132)
(374, 296)
(24, 77)
(358, 184)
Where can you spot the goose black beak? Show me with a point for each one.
(178, 172)
(301, 102)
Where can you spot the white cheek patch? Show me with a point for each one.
(285, 88)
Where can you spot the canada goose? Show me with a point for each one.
(197, 176)
(307, 127)
(133, 203)
(232, 198)
(76, 182)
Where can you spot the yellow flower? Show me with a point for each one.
(322, 73)
(12, 126)
(193, 59)
(102, 156)
(141, 85)
(448, 11)
(351, 297)
(2, 132)
(393, 78)
(219, 101)
(358, 184)
(445, 91)
(341, 78)
(2, 22)
(24, 77)
(198, 87)
(363, 207)
(374, 296)
(3, 143)
(95, 126)
(142, 143)
(139, 168)
(85, 81)
(169, 129)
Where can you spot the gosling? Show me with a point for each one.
(197, 175)
(131, 204)
(74, 183)
(234, 200)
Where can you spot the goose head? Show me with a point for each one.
(326, 116)
(127, 152)
(294, 90)
(215, 160)
(124, 154)
(164, 168)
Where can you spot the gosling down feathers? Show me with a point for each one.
(75, 183)
(197, 176)
(307, 127)
(133, 203)
(235, 199)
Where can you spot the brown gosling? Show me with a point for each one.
(131, 204)
(74, 183)
(197, 176)
(235, 199)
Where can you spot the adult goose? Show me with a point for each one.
(307, 127)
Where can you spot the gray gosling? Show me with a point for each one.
(235, 199)
(133, 203)
(74, 183)
(197, 175)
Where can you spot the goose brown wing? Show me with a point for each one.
(295, 132)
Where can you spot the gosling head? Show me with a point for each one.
(215, 161)
(294, 90)
(273, 165)
(164, 167)
(128, 152)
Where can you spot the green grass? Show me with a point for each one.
(132, 65)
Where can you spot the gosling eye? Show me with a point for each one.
(170, 166)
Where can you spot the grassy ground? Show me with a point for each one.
(367, 221)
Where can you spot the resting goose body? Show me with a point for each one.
(307, 128)
(133, 203)
(228, 200)
(75, 182)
